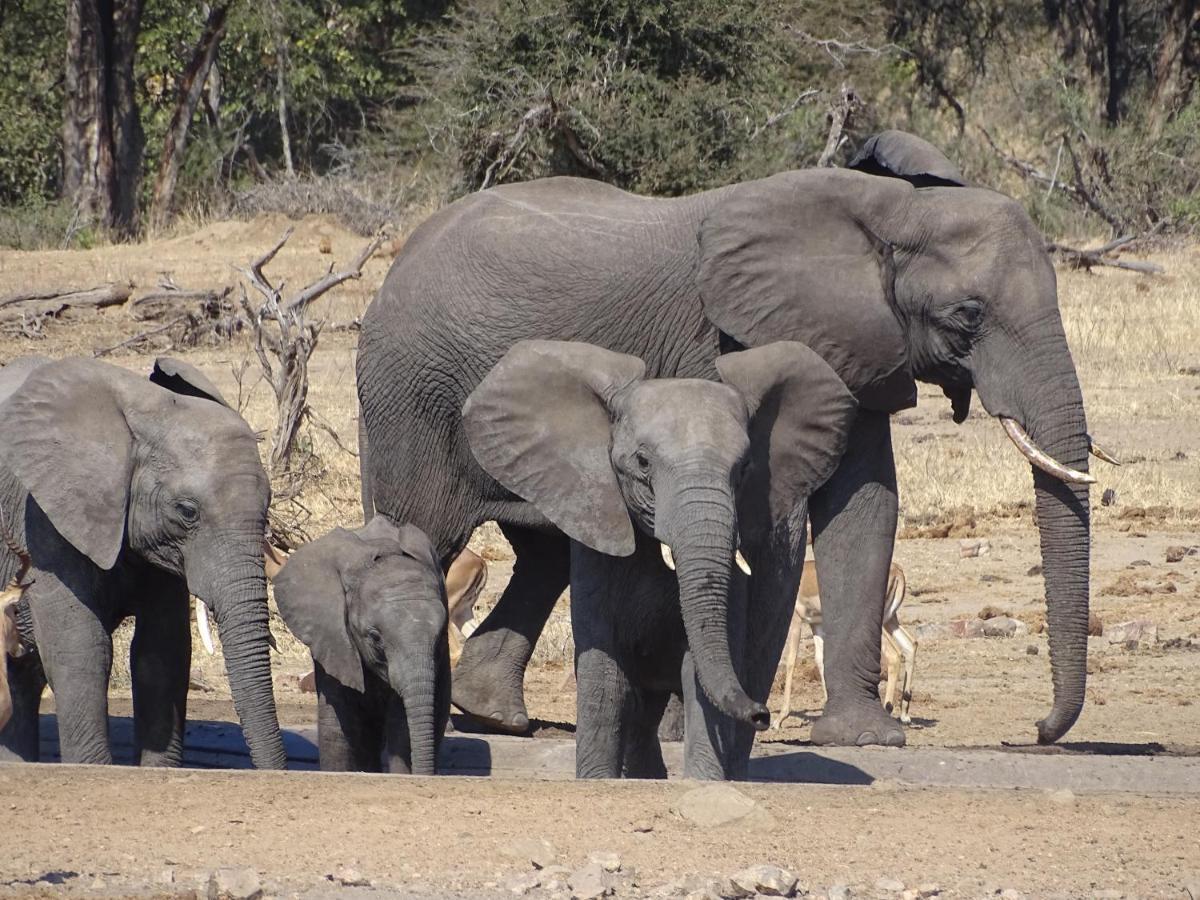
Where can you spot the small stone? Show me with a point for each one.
(929, 889)
(198, 681)
(1003, 626)
(1138, 631)
(763, 879)
(350, 877)
(1032, 650)
(1108, 498)
(606, 859)
(523, 884)
(537, 852)
(719, 804)
(1035, 569)
(1139, 563)
(98, 884)
(590, 883)
(889, 885)
(934, 631)
(838, 892)
(308, 684)
(196, 829)
(1010, 894)
(972, 547)
(967, 628)
(909, 894)
(1062, 795)
(166, 876)
(234, 884)
(1178, 552)
(641, 827)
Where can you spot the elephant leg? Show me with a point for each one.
(349, 736)
(643, 752)
(489, 680)
(20, 739)
(707, 732)
(602, 714)
(854, 528)
(159, 663)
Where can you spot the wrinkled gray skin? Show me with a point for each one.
(888, 282)
(127, 494)
(371, 606)
(622, 465)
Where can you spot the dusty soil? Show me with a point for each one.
(1135, 342)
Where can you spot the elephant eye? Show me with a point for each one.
(642, 460)
(187, 510)
(969, 313)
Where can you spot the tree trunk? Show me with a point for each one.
(128, 140)
(1113, 62)
(1169, 88)
(190, 88)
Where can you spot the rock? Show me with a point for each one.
(606, 859)
(1095, 625)
(1003, 626)
(590, 883)
(1178, 552)
(1108, 498)
(524, 883)
(993, 612)
(769, 880)
(933, 631)
(1035, 569)
(838, 892)
(719, 804)
(929, 889)
(971, 547)
(349, 877)
(234, 884)
(98, 884)
(537, 852)
(166, 876)
(966, 628)
(1032, 650)
(1138, 631)
(641, 827)
(198, 681)
(1062, 795)
(1010, 894)
(889, 885)
(1139, 563)
(308, 684)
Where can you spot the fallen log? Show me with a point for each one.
(157, 304)
(52, 302)
(1086, 259)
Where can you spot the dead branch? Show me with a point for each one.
(840, 117)
(535, 117)
(52, 302)
(157, 304)
(775, 118)
(138, 338)
(1087, 259)
(837, 49)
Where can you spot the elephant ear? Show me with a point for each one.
(800, 418)
(312, 600)
(792, 257)
(539, 423)
(184, 378)
(67, 442)
(407, 539)
(898, 154)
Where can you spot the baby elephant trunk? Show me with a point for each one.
(415, 681)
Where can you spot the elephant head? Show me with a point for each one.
(374, 598)
(116, 462)
(699, 465)
(899, 272)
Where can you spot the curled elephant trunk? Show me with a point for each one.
(416, 683)
(239, 604)
(699, 528)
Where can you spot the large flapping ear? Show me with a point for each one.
(800, 418)
(66, 440)
(794, 257)
(898, 154)
(184, 378)
(415, 544)
(14, 373)
(312, 600)
(539, 424)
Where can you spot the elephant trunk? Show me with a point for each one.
(416, 685)
(238, 599)
(699, 525)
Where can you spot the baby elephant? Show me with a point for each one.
(371, 606)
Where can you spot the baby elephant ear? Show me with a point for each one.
(539, 423)
(800, 418)
(312, 601)
(898, 154)
(184, 378)
(415, 544)
(66, 440)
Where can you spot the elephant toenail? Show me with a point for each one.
(867, 737)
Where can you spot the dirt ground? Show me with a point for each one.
(1135, 341)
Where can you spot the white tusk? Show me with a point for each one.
(1100, 453)
(271, 639)
(741, 562)
(1040, 457)
(668, 556)
(469, 627)
(204, 627)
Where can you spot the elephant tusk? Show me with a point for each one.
(1100, 453)
(668, 556)
(1040, 457)
(741, 562)
(204, 627)
(271, 639)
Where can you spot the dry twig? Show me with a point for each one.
(1086, 259)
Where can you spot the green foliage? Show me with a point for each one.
(662, 97)
(32, 46)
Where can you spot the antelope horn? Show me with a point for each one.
(741, 562)
(1100, 453)
(204, 627)
(668, 556)
(1040, 457)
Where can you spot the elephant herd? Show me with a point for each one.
(653, 398)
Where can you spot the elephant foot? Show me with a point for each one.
(489, 694)
(857, 726)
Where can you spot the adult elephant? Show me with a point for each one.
(120, 495)
(893, 271)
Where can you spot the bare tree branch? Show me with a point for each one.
(836, 49)
(841, 117)
(776, 118)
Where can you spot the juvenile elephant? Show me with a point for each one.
(125, 494)
(371, 606)
(894, 270)
(623, 465)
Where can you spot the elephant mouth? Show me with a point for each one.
(668, 559)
